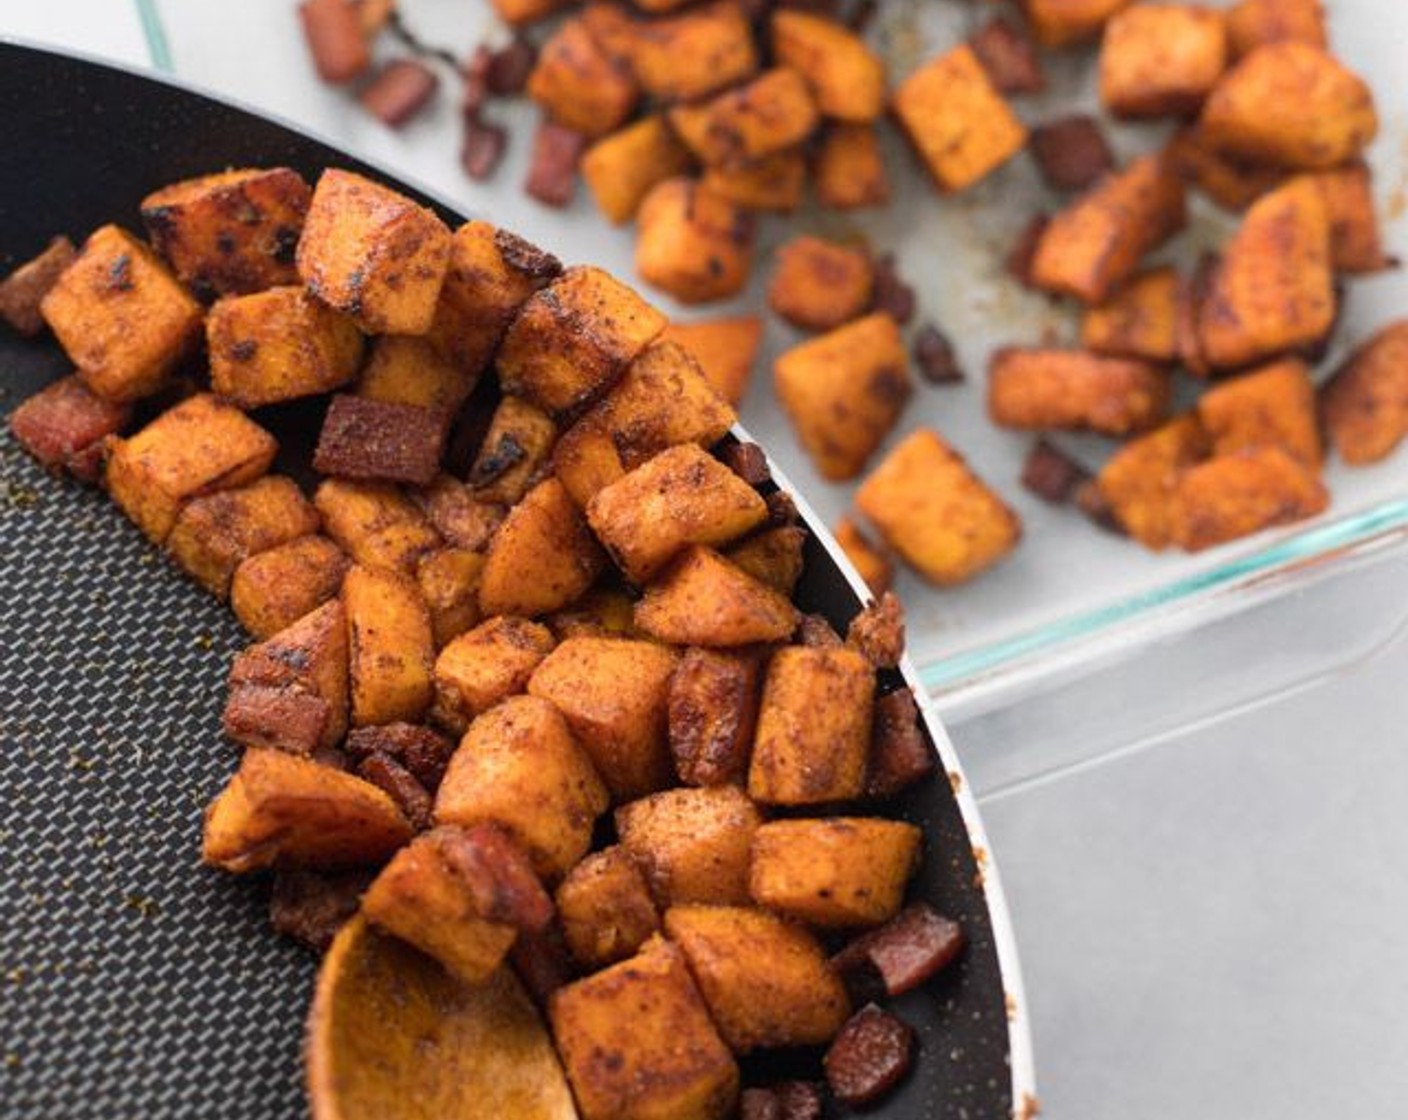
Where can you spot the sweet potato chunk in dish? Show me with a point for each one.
(1254, 23)
(691, 55)
(408, 370)
(1159, 60)
(693, 242)
(1072, 389)
(622, 168)
(541, 558)
(848, 168)
(1138, 482)
(392, 648)
(605, 907)
(273, 589)
(375, 523)
(1241, 493)
(773, 183)
(770, 113)
(704, 600)
(1065, 23)
(818, 285)
(1138, 321)
(692, 844)
(724, 348)
(845, 76)
(1270, 407)
(1365, 404)
(484, 666)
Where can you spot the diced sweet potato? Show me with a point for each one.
(283, 811)
(1356, 243)
(1138, 482)
(1365, 404)
(458, 515)
(1035, 390)
(612, 692)
(1271, 407)
(713, 711)
(198, 447)
(405, 369)
(63, 422)
(844, 391)
(877, 632)
(846, 78)
(819, 285)
(724, 348)
(637, 1042)
(1273, 289)
(230, 233)
(692, 844)
(936, 513)
(1161, 60)
(848, 169)
(696, 53)
(606, 909)
(578, 85)
(376, 523)
(771, 113)
(484, 666)
(1254, 23)
(1065, 23)
(1092, 247)
(373, 253)
(693, 243)
(121, 317)
(573, 339)
(1232, 185)
(874, 566)
(773, 556)
(620, 169)
(273, 589)
(24, 289)
(514, 453)
(541, 558)
(392, 649)
(772, 184)
(766, 981)
(1138, 321)
(518, 12)
(519, 766)
(605, 611)
(380, 441)
(1290, 105)
(703, 600)
(837, 872)
(959, 124)
(1008, 56)
(449, 583)
(813, 737)
(1241, 493)
(1071, 152)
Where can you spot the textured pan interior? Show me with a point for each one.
(133, 982)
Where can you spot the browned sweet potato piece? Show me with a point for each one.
(773, 556)
(1138, 482)
(1232, 185)
(703, 600)
(848, 169)
(936, 513)
(1254, 23)
(692, 844)
(900, 755)
(1161, 60)
(696, 53)
(373, 253)
(845, 76)
(230, 233)
(1064, 23)
(121, 317)
(484, 666)
(621, 169)
(380, 441)
(391, 647)
(449, 583)
(1094, 245)
(819, 285)
(692, 242)
(713, 711)
(1071, 153)
(870, 1057)
(1290, 105)
(1365, 404)
(376, 523)
(1073, 389)
(526, 11)
(906, 952)
(606, 909)
(958, 123)
(773, 184)
(1241, 493)
(61, 424)
(273, 589)
(579, 85)
(541, 558)
(1356, 243)
(1138, 321)
(771, 113)
(874, 566)
(1008, 56)
(405, 369)
(606, 611)
(724, 348)
(1271, 407)
(24, 289)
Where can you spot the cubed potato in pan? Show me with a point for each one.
(1138, 321)
(692, 844)
(1041, 389)
(770, 113)
(408, 370)
(605, 611)
(484, 666)
(514, 453)
(578, 85)
(773, 556)
(1241, 493)
(713, 711)
(1254, 23)
(848, 168)
(542, 557)
(1356, 242)
(694, 54)
(1233, 185)
(65, 424)
(457, 515)
(392, 647)
(725, 350)
(272, 589)
(1161, 60)
(1138, 482)
(605, 907)
(773, 184)
(622, 168)
(1273, 406)
(845, 76)
(693, 242)
(449, 583)
(704, 600)
(376, 523)
(819, 285)
(1364, 406)
(1066, 23)
(874, 565)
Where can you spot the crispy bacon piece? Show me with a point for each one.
(877, 633)
(64, 425)
(22, 291)
(379, 440)
(400, 90)
(336, 40)
(900, 755)
(552, 170)
(907, 951)
(870, 1057)
(422, 751)
(400, 785)
(311, 907)
(1009, 57)
(1071, 153)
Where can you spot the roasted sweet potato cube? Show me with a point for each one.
(122, 318)
(445, 893)
(1161, 60)
(766, 981)
(1008, 56)
(1254, 23)
(1241, 493)
(813, 736)
(692, 844)
(1039, 389)
(683, 496)
(1232, 185)
(637, 1042)
(541, 558)
(691, 55)
(273, 589)
(773, 556)
(1290, 105)
(1365, 404)
(64, 422)
(578, 84)
(868, 559)
(836, 872)
(848, 169)
(1271, 407)
(514, 453)
(620, 169)
(724, 348)
(612, 693)
(213, 535)
(771, 184)
(573, 339)
(373, 253)
(1138, 321)
(713, 711)
(1089, 249)
(606, 910)
(844, 391)
(407, 370)
(230, 233)
(1138, 482)
(703, 600)
(693, 243)
(290, 692)
(520, 767)
(449, 583)
(819, 285)
(1064, 23)
(771, 113)
(605, 611)
(846, 78)
(457, 515)
(1356, 244)
(198, 447)
(959, 124)
(280, 810)
(487, 664)
(376, 523)
(936, 513)
(24, 289)
(380, 441)
(491, 275)
(392, 648)
(519, 12)
(1273, 289)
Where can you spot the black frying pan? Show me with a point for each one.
(133, 982)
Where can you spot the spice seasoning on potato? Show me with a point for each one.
(606, 910)
(375, 523)
(1254, 23)
(392, 648)
(272, 589)
(773, 556)
(772, 112)
(845, 76)
(724, 348)
(1356, 243)
(848, 169)
(1138, 482)
(874, 566)
(514, 453)
(578, 85)
(692, 844)
(542, 557)
(1075, 390)
(408, 370)
(457, 515)
(1161, 60)
(713, 711)
(693, 242)
(1066, 23)
(484, 666)
(819, 285)
(774, 183)
(620, 169)
(703, 600)
(1365, 404)
(1241, 493)
(1138, 321)
(1273, 406)
(449, 583)
(694, 54)
(1231, 184)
